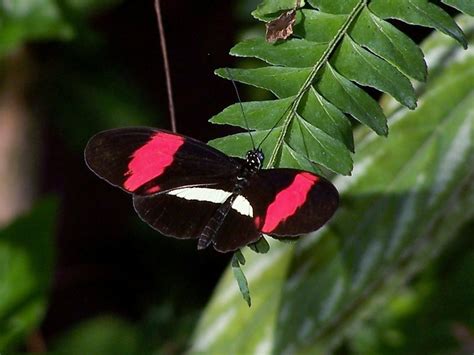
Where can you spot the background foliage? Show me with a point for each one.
(391, 274)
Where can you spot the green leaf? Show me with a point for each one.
(240, 276)
(408, 196)
(419, 12)
(319, 147)
(359, 65)
(466, 6)
(261, 246)
(386, 41)
(310, 129)
(369, 31)
(282, 82)
(349, 98)
(334, 7)
(325, 116)
(292, 159)
(105, 335)
(260, 114)
(238, 258)
(341, 45)
(270, 9)
(297, 53)
(316, 26)
(26, 261)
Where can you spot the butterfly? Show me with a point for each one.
(186, 189)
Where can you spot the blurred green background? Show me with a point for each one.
(79, 273)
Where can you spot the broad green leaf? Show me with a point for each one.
(297, 53)
(419, 12)
(466, 6)
(349, 98)
(392, 222)
(105, 335)
(270, 9)
(359, 65)
(26, 261)
(334, 7)
(386, 41)
(408, 196)
(439, 301)
(229, 326)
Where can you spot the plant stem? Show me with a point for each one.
(166, 65)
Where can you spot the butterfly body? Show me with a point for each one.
(253, 162)
(186, 189)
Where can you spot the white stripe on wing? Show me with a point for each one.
(241, 204)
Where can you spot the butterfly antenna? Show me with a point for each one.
(241, 106)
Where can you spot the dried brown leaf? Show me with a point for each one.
(282, 27)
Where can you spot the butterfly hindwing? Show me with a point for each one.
(237, 231)
(184, 213)
(289, 202)
(144, 161)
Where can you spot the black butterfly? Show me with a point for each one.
(186, 189)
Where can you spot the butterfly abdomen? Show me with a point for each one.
(214, 224)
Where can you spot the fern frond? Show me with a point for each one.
(337, 46)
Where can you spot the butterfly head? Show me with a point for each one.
(254, 159)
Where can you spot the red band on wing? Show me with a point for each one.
(287, 201)
(149, 161)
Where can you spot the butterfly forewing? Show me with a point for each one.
(145, 161)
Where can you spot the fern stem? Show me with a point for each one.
(311, 77)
